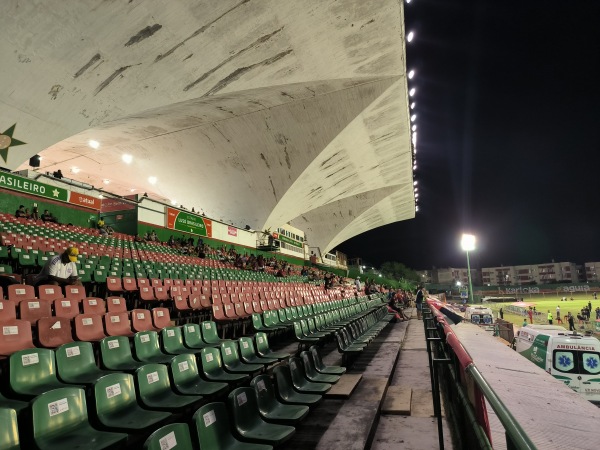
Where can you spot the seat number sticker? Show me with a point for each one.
(152, 377)
(10, 330)
(260, 340)
(65, 303)
(170, 333)
(28, 360)
(145, 338)
(113, 391)
(93, 302)
(73, 351)
(87, 321)
(58, 407)
(115, 319)
(168, 442)
(140, 316)
(113, 344)
(33, 305)
(159, 313)
(227, 351)
(245, 344)
(116, 301)
(260, 384)
(209, 418)
(183, 366)
(209, 357)
(49, 291)
(190, 329)
(241, 399)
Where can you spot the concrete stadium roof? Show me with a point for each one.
(260, 112)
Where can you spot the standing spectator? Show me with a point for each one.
(589, 308)
(357, 284)
(501, 313)
(20, 213)
(597, 312)
(558, 319)
(571, 320)
(530, 313)
(419, 302)
(549, 318)
(35, 214)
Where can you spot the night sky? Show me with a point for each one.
(508, 117)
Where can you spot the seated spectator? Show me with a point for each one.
(101, 223)
(60, 270)
(20, 213)
(137, 238)
(47, 217)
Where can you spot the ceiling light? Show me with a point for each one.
(75, 169)
(152, 180)
(412, 105)
(132, 190)
(416, 208)
(412, 92)
(413, 117)
(94, 144)
(127, 158)
(415, 167)
(106, 181)
(101, 196)
(410, 36)
(414, 127)
(415, 183)
(411, 74)
(173, 202)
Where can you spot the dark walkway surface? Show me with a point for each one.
(397, 357)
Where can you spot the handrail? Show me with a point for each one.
(512, 427)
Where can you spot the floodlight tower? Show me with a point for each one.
(468, 244)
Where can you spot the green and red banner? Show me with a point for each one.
(187, 222)
(32, 187)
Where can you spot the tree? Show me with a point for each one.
(398, 271)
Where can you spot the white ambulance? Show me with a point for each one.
(568, 356)
(480, 315)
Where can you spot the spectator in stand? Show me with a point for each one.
(137, 238)
(47, 217)
(100, 224)
(60, 270)
(35, 214)
(171, 241)
(20, 213)
(357, 284)
(571, 321)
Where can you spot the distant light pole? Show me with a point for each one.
(468, 244)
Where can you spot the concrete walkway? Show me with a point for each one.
(417, 431)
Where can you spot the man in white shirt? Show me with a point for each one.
(61, 270)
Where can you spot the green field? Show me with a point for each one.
(545, 303)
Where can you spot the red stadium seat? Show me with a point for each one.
(117, 324)
(75, 293)
(161, 293)
(161, 318)
(54, 331)
(32, 310)
(147, 294)
(8, 310)
(94, 305)
(89, 327)
(17, 292)
(16, 335)
(130, 284)
(116, 304)
(49, 292)
(66, 308)
(141, 320)
(114, 285)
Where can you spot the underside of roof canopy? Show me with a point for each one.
(259, 112)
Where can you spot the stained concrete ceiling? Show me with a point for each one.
(260, 112)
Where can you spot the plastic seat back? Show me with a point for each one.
(9, 429)
(213, 428)
(32, 371)
(67, 308)
(161, 318)
(32, 310)
(116, 304)
(209, 332)
(247, 350)
(114, 392)
(141, 320)
(8, 310)
(116, 354)
(76, 362)
(18, 292)
(192, 336)
(147, 345)
(184, 369)
(75, 293)
(153, 380)
(230, 354)
(94, 305)
(172, 341)
(211, 361)
(16, 335)
(89, 327)
(114, 284)
(117, 324)
(49, 292)
(54, 331)
(242, 404)
(265, 393)
(172, 435)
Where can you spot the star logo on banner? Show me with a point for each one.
(7, 140)
(55, 192)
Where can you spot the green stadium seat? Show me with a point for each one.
(10, 403)
(172, 341)
(248, 353)
(33, 372)
(212, 367)
(270, 408)
(9, 429)
(286, 392)
(248, 422)
(322, 368)
(209, 333)
(311, 372)
(174, 435)
(116, 354)
(187, 381)
(233, 363)
(192, 337)
(77, 364)
(60, 422)
(155, 390)
(147, 348)
(263, 349)
(117, 406)
(213, 429)
(301, 382)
